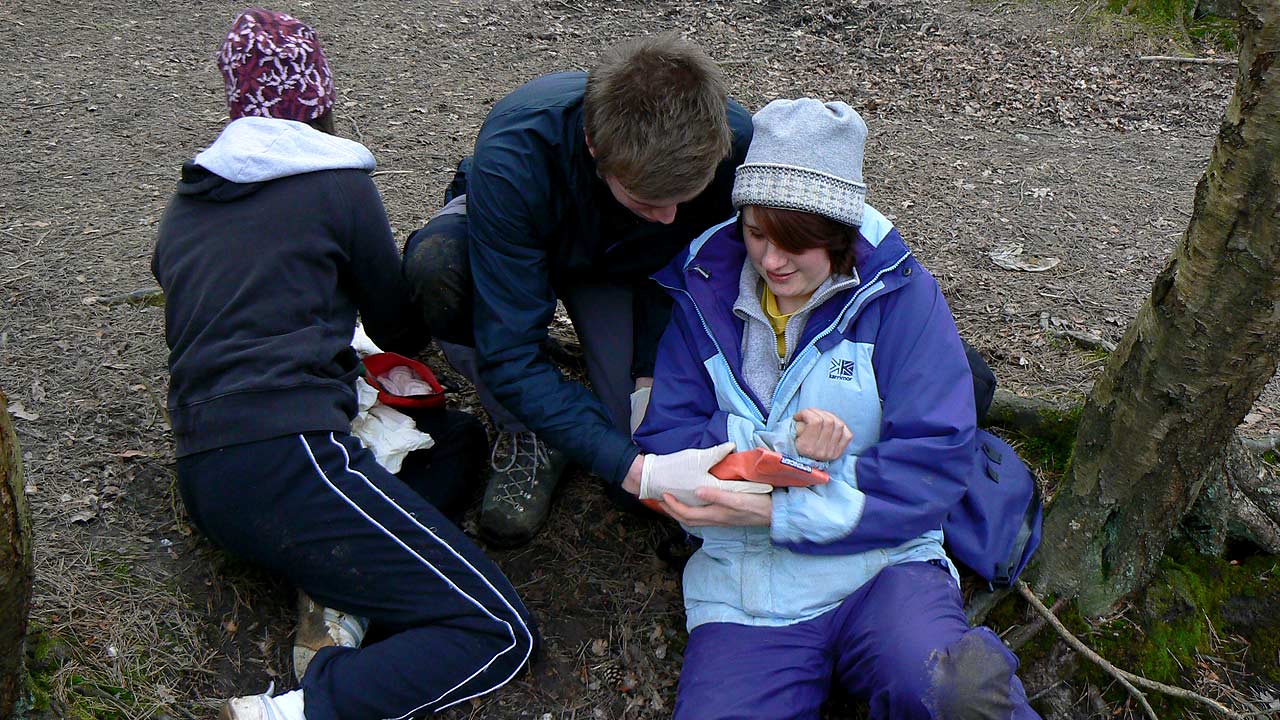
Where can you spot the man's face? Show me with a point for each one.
(661, 210)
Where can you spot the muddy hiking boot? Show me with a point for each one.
(320, 627)
(524, 472)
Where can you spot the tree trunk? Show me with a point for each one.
(15, 564)
(1193, 362)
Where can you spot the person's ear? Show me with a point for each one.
(590, 148)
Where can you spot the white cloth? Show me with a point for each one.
(403, 381)
(387, 432)
(682, 473)
(363, 344)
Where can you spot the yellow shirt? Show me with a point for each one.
(776, 319)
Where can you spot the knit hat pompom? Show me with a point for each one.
(273, 67)
(805, 155)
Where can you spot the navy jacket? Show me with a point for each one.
(541, 217)
(274, 239)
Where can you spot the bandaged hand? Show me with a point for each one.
(682, 473)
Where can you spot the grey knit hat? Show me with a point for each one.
(805, 155)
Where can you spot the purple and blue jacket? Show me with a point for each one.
(880, 350)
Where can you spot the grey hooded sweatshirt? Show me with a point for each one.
(275, 238)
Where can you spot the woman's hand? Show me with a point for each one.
(823, 436)
(724, 508)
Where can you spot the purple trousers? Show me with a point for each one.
(901, 642)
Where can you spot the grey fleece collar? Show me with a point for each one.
(761, 368)
(257, 149)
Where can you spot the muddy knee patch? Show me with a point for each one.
(969, 680)
(439, 275)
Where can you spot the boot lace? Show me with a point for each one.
(518, 455)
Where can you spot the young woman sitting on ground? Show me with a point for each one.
(808, 309)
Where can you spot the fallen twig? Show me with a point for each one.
(1187, 60)
(145, 296)
(57, 104)
(1125, 678)
(1086, 340)
(1262, 444)
(1016, 639)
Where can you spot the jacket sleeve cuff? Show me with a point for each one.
(820, 514)
(781, 529)
(625, 455)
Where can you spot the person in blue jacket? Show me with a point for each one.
(275, 239)
(806, 326)
(580, 187)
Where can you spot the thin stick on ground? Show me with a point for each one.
(1128, 679)
(1187, 60)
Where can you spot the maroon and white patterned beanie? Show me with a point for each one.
(273, 67)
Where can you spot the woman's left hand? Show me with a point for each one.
(725, 508)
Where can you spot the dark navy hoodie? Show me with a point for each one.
(274, 241)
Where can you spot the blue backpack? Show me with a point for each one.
(995, 528)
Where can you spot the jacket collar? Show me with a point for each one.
(711, 269)
(705, 280)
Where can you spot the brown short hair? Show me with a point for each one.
(655, 112)
(795, 231)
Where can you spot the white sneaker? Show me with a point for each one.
(264, 707)
(320, 627)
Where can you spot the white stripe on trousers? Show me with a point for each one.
(480, 606)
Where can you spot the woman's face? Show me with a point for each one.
(791, 276)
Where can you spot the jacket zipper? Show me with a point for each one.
(719, 350)
(834, 323)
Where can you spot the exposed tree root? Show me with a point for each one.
(1125, 678)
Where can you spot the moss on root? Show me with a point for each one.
(1050, 454)
(1193, 606)
(83, 698)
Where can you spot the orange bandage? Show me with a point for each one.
(762, 466)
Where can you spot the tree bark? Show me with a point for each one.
(1193, 362)
(15, 564)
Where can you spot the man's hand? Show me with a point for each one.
(821, 435)
(682, 473)
(723, 508)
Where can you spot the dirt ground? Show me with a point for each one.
(994, 126)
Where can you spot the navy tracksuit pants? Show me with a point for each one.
(317, 509)
(900, 642)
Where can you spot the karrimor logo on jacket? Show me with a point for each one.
(842, 369)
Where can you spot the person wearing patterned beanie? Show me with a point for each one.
(275, 239)
(805, 325)
(273, 66)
